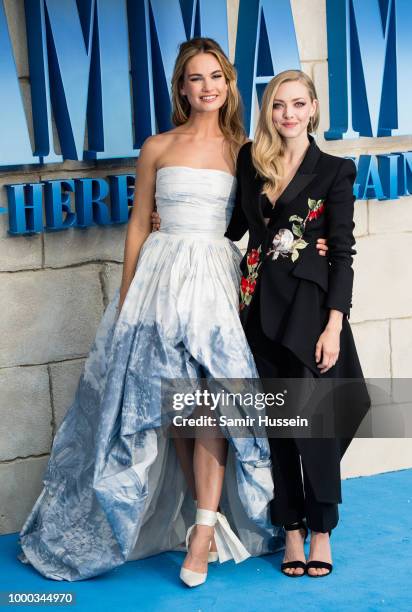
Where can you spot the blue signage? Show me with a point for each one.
(369, 60)
(79, 69)
(26, 203)
(102, 68)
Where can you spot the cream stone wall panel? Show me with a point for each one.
(361, 217)
(401, 342)
(367, 456)
(353, 147)
(111, 279)
(77, 245)
(320, 79)
(232, 20)
(373, 346)
(310, 27)
(372, 343)
(383, 144)
(103, 170)
(16, 20)
(383, 278)
(89, 168)
(27, 105)
(18, 252)
(21, 484)
(307, 68)
(25, 412)
(401, 338)
(54, 314)
(390, 216)
(65, 377)
(71, 167)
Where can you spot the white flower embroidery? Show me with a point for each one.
(282, 243)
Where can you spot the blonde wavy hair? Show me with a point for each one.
(230, 114)
(268, 146)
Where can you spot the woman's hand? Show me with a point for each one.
(155, 221)
(322, 246)
(328, 345)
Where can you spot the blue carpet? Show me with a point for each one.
(372, 553)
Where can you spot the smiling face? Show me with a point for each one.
(292, 109)
(204, 83)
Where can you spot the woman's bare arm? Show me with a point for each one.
(139, 226)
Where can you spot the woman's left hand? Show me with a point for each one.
(327, 349)
(322, 246)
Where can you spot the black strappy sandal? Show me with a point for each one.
(319, 565)
(295, 564)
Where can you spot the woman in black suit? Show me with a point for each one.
(294, 304)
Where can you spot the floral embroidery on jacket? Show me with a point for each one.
(286, 242)
(248, 283)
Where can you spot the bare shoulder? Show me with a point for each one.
(154, 147)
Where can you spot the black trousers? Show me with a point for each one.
(294, 495)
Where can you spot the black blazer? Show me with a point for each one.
(314, 284)
(319, 177)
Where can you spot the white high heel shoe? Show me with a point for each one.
(203, 517)
(227, 543)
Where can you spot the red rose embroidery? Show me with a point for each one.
(247, 286)
(316, 213)
(248, 283)
(253, 257)
(251, 286)
(244, 284)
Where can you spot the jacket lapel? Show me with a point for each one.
(304, 174)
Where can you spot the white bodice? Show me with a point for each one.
(194, 201)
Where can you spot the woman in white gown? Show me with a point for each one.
(114, 488)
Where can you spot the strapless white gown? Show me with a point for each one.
(113, 489)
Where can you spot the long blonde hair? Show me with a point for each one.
(268, 146)
(230, 114)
